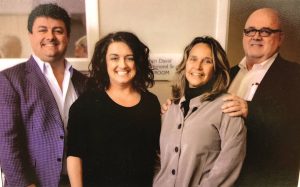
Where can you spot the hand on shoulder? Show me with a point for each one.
(235, 106)
(165, 107)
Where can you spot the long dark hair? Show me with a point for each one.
(99, 78)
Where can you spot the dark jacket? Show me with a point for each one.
(273, 125)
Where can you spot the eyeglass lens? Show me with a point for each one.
(264, 32)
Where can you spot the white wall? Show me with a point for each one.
(166, 26)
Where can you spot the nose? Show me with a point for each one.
(257, 36)
(199, 64)
(50, 35)
(122, 63)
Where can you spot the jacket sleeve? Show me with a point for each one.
(228, 165)
(12, 154)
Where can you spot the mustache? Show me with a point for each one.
(256, 43)
(52, 42)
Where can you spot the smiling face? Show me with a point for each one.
(120, 64)
(257, 48)
(49, 39)
(199, 66)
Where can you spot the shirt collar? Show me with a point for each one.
(264, 64)
(43, 67)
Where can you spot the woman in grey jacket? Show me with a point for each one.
(200, 145)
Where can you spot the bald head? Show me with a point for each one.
(261, 46)
(263, 17)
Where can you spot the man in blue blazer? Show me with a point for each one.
(35, 97)
(266, 92)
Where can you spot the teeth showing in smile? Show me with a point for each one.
(255, 44)
(121, 73)
(49, 45)
(197, 74)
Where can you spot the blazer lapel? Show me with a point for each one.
(272, 80)
(38, 81)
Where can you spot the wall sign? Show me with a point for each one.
(164, 65)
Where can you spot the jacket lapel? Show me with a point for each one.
(38, 82)
(272, 80)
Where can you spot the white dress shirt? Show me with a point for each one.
(247, 81)
(64, 96)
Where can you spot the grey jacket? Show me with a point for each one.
(206, 148)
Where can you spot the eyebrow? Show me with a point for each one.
(260, 28)
(45, 27)
(41, 26)
(113, 54)
(207, 57)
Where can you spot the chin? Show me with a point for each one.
(195, 85)
(52, 58)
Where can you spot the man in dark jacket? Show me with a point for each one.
(266, 91)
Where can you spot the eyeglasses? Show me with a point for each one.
(264, 32)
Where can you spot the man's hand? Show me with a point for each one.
(164, 107)
(235, 106)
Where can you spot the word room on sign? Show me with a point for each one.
(164, 65)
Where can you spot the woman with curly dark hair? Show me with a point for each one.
(114, 127)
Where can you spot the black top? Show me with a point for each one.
(117, 144)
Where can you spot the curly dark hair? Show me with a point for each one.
(99, 78)
(221, 66)
(49, 10)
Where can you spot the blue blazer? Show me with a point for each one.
(273, 128)
(31, 128)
